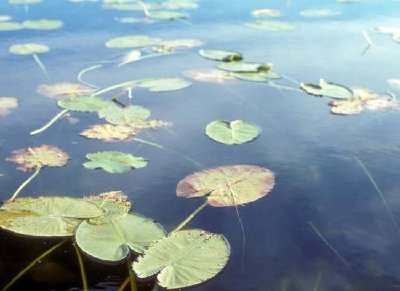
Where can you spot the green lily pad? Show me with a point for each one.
(179, 4)
(10, 26)
(113, 241)
(262, 76)
(167, 15)
(85, 103)
(266, 12)
(319, 13)
(221, 55)
(42, 24)
(46, 216)
(184, 258)
(114, 162)
(28, 49)
(327, 89)
(35, 157)
(124, 116)
(244, 67)
(164, 84)
(24, 2)
(271, 25)
(7, 104)
(228, 185)
(132, 41)
(234, 132)
(129, 6)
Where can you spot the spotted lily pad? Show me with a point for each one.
(167, 15)
(114, 162)
(7, 104)
(43, 24)
(132, 41)
(266, 12)
(234, 132)
(124, 116)
(327, 89)
(184, 258)
(221, 55)
(46, 216)
(28, 49)
(36, 157)
(271, 25)
(244, 67)
(164, 84)
(207, 75)
(108, 132)
(85, 103)
(113, 241)
(228, 185)
(64, 90)
(319, 13)
(10, 26)
(262, 76)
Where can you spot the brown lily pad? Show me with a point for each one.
(64, 90)
(7, 104)
(209, 75)
(108, 132)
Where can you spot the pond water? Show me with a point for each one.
(331, 222)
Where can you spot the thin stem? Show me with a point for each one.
(113, 87)
(145, 10)
(143, 58)
(273, 85)
(343, 260)
(290, 79)
(91, 68)
(190, 217)
(132, 278)
(378, 190)
(50, 123)
(26, 182)
(316, 286)
(367, 38)
(41, 66)
(81, 267)
(124, 283)
(27, 268)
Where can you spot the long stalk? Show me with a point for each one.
(132, 278)
(81, 267)
(27, 268)
(124, 283)
(91, 68)
(26, 182)
(41, 66)
(50, 123)
(113, 87)
(190, 217)
(316, 285)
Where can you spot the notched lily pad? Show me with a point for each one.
(245, 67)
(184, 258)
(234, 132)
(7, 104)
(108, 132)
(28, 49)
(271, 25)
(43, 24)
(85, 103)
(114, 162)
(221, 55)
(327, 89)
(132, 41)
(35, 157)
(64, 90)
(228, 185)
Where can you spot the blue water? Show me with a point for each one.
(320, 187)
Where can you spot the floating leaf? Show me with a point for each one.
(262, 76)
(319, 13)
(346, 107)
(234, 132)
(5, 18)
(171, 45)
(266, 12)
(184, 258)
(114, 240)
(114, 162)
(133, 20)
(124, 116)
(85, 103)
(167, 15)
(271, 25)
(129, 6)
(207, 75)
(36, 157)
(24, 2)
(164, 84)
(221, 55)
(132, 41)
(42, 24)
(28, 49)
(7, 104)
(228, 185)
(394, 83)
(380, 104)
(238, 67)
(108, 132)
(327, 89)
(46, 216)
(10, 26)
(64, 90)
(179, 4)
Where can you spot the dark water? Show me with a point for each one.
(320, 186)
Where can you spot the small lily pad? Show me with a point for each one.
(85, 103)
(132, 41)
(179, 4)
(327, 89)
(209, 75)
(228, 185)
(108, 132)
(113, 241)
(244, 67)
(35, 157)
(7, 104)
(271, 25)
(46, 216)
(262, 76)
(221, 55)
(346, 107)
(24, 2)
(10, 26)
(234, 132)
(124, 116)
(319, 13)
(64, 90)
(184, 258)
(28, 49)
(171, 45)
(164, 84)
(167, 15)
(114, 162)
(5, 18)
(43, 24)
(266, 12)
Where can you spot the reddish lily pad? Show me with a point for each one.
(108, 132)
(64, 90)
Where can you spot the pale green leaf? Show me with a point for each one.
(167, 15)
(42, 24)
(164, 84)
(262, 76)
(132, 41)
(319, 13)
(85, 103)
(124, 116)
(114, 162)
(28, 49)
(234, 132)
(327, 89)
(221, 55)
(271, 25)
(245, 67)
(10, 26)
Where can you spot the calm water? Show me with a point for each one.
(319, 184)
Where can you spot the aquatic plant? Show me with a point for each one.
(234, 132)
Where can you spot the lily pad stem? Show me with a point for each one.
(50, 123)
(316, 286)
(80, 75)
(27, 268)
(124, 283)
(132, 278)
(22, 186)
(81, 267)
(190, 217)
(113, 87)
(145, 10)
(273, 85)
(41, 66)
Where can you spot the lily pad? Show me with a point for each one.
(221, 55)
(179, 4)
(114, 241)
(346, 107)
(319, 13)
(129, 6)
(271, 25)
(35, 157)
(5, 18)
(164, 84)
(167, 15)
(64, 90)
(184, 258)
(234, 132)
(228, 185)
(266, 12)
(46, 216)
(43, 24)
(114, 162)
(24, 2)
(132, 41)
(262, 76)
(327, 89)
(85, 103)
(171, 45)
(394, 83)
(244, 67)
(10, 26)
(209, 75)
(124, 116)
(108, 132)
(7, 104)
(28, 49)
